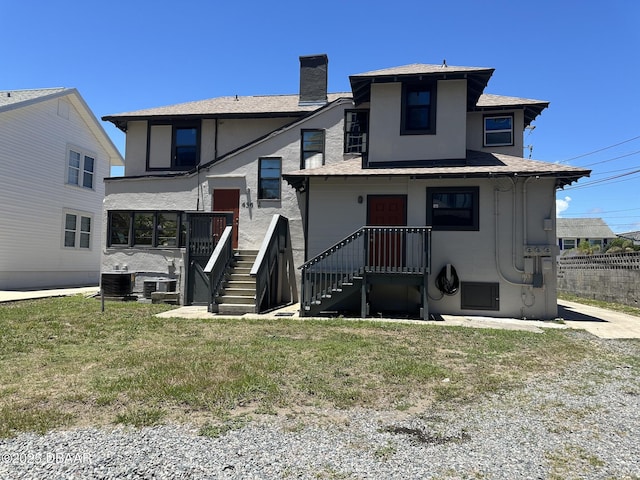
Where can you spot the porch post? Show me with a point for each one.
(363, 297)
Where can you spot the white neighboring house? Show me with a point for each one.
(54, 155)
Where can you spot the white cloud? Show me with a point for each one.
(561, 205)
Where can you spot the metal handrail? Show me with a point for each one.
(369, 250)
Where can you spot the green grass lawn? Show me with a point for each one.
(64, 363)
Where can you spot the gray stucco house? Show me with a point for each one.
(406, 196)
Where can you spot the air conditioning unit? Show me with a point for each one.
(117, 284)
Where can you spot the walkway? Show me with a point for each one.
(600, 322)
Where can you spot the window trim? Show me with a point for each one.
(261, 179)
(78, 231)
(405, 128)
(81, 169)
(177, 125)
(475, 208)
(364, 143)
(131, 243)
(302, 149)
(509, 130)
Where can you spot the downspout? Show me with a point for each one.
(514, 195)
(497, 244)
(215, 142)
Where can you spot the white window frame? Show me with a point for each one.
(81, 169)
(504, 130)
(79, 230)
(569, 240)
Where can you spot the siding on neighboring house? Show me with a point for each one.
(34, 196)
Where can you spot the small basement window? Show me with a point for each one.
(479, 296)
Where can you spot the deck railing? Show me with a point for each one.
(273, 268)
(217, 265)
(370, 250)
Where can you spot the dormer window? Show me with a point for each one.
(498, 131)
(418, 109)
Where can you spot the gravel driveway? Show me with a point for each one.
(583, 424)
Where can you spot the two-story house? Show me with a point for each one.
(54, 155)
(405, 196)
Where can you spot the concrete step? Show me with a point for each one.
(241, 283)
(240, 277)
(235, 309)
(235, 300)
(240, 292)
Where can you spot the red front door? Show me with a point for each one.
(228, 200)
(385, 248)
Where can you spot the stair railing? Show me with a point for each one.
(273, 268)
(370, 250)
(218, 264)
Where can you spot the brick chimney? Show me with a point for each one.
(313, 79)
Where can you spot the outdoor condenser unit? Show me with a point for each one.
(117, 284)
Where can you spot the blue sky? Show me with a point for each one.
(581, 56)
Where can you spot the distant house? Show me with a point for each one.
(408, 195)
(54, 155)
(633, 236)
(572, 231)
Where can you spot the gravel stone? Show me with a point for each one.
(582, 424)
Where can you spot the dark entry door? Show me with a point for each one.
(385, 246)
(228, 200)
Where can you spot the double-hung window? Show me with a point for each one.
(80, 168)
(312, 155)
(453, 208)
(269, 182)
(418, 109)
(498, 131)
(77, 230)
(356, 130)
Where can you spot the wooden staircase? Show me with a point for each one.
(238, 294)
(333, 295)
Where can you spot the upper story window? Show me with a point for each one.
(312, 155)
(498, 131)
(80, 168)
(269, 181)
(356, 130)
(173, 147)
(77, 230)
(185, 150)
(453, 208)
(418, 109)
(149, 228)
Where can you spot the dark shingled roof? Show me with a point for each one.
(476, 164)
